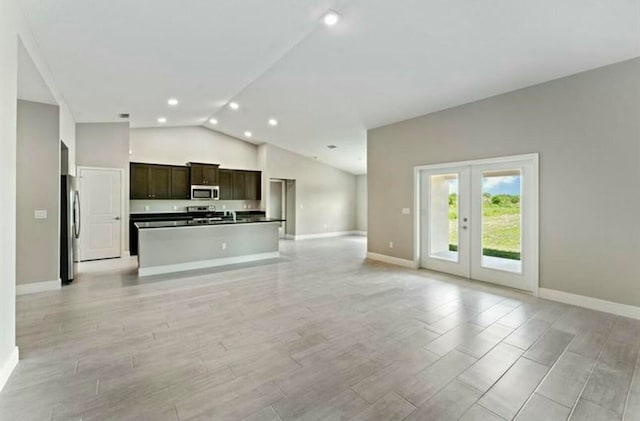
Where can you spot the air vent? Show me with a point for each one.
(124, 115)
(331, 146)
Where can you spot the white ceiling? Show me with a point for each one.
(385, 61)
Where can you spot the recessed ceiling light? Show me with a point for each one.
(248, 134)
(234, 105)
(273, 122)
(331, 18)
(172, 101)
(162, 120)
(213, 121)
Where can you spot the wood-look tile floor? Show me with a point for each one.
(320, 334)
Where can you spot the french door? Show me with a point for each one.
(479, 220)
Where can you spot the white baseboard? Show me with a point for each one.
(361, 233)
(392, 260)
(618, 309)
(289, 237)
(325, 235)
(34, 287)
(7, 367)
(203, 264)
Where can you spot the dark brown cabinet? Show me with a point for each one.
(139, 181)
(180, 183)
(152, 181)
(239, 183)
(149, 181)
(247, 185)
(160, 182)
(225, 178)
(204, 174)
(253, 185)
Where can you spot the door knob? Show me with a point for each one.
(464, 227)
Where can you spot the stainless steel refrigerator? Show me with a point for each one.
(69, 226)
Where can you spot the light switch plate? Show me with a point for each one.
(406, 211)
(40, 214)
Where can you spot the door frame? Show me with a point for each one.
(124, 201)
(283, 203)
(535, 208)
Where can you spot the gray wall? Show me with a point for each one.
(586, 129)
(361, 202)
(14, 30)
(106, 145)
(8, 109)
(102, 145)
(325, 196)
(38, 184)
(179, 145)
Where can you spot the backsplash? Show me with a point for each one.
(141, 206)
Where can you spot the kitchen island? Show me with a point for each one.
(174, 246)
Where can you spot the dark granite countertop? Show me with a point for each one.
(190, 223)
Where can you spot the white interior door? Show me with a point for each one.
(445, 218)
(100, 215)
(480, 220)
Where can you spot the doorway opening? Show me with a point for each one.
(282, 204)
(479, 219)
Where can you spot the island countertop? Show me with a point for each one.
(189, 223)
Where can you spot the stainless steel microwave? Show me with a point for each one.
(205, 193)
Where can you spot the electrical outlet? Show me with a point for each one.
(301, 206)
(40, 214)
(147, 208)
(175, 207)
(390, 244)
(224, 207)
(224, 246)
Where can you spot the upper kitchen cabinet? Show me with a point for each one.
(225, 178)
(247, 185)
(150, 181)
(253, 185)
(160, 182)
(239, 185)
(139, 181)
(180, 183)
(204, 174)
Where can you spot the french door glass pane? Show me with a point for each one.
(502, 220)
(443, 217)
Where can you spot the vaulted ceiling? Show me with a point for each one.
(384, 61)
